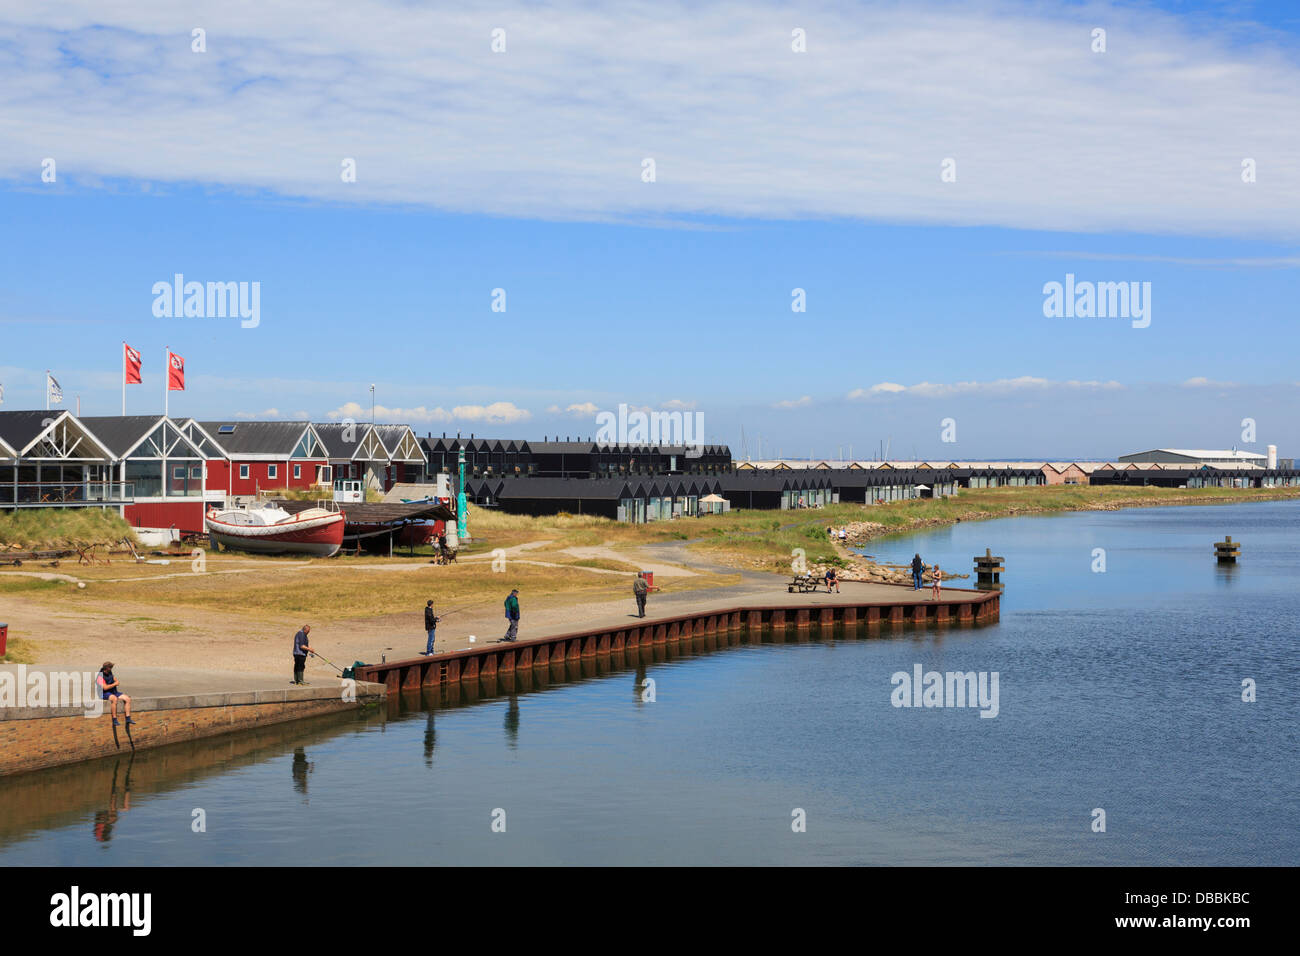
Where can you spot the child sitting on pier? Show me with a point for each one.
(112, 690)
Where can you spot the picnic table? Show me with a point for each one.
(805, 582)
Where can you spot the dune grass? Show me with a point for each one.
(49, 529)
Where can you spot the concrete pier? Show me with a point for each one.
(733, 624)
(169, 707)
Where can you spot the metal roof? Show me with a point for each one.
(252, 438)
(122, 434)
(19, 430)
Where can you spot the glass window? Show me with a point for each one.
(297, 471)
(271, 471)
(243, 471)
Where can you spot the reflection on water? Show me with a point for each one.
(104, 819)
(1119, 690)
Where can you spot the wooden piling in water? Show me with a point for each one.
(988, 570)
(1227, 551)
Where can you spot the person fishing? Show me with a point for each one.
(512, 615)
(918, 573)
(111, 688)
(430, 626)
(300, 651)
(640, 588)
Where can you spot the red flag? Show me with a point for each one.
(175, 373)
(132, 365)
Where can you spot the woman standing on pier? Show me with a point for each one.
(938, 580)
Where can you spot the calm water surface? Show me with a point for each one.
(1118, 690)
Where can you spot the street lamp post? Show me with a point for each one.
(462, 531)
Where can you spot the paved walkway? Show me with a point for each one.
(177, 681)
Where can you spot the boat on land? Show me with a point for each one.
(380, 526)
(269, 529)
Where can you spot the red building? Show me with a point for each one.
(245, 459)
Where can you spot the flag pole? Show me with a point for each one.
(167, 373)
(47, 389)
(124, 377)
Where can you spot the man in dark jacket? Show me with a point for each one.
(512, 615)
(430, 626)
(918, 572)
(300, 651)
(639, 590)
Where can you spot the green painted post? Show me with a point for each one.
(461, 532)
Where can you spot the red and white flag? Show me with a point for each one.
(131, 364)
(175, 373)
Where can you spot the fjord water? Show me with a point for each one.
(1119, 690)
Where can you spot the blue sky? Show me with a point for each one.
(522, 171)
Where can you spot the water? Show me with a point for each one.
(1119, 690)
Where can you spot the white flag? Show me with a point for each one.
(2, 394)
(55, 392)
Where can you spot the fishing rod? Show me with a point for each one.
(455, 610)
(328, 661)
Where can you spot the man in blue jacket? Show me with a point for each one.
(512, 615)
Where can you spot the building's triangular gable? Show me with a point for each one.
(402, 444)
(165, 439)
(370, 447)
(66, 439)
(310, 445)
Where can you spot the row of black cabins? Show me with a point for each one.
(497, 458)
(650, 498)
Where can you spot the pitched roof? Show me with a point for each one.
(19, 430)
(256, 438)
(122, 435)
(336, 435)
(400, 442)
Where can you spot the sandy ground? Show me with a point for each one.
(78, 635)
(143, 634)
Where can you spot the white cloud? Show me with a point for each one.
(265, 413)
(557, 127)
(581, 410)
(793, 402)
(498, 413)
(1200, 381)
(676, 404)
(997, 386)
(383, 413)
(495, 413)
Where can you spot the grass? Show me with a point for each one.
(18, 651)
(340, 588)
(756, 539)
(51, 529)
